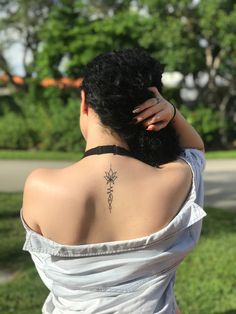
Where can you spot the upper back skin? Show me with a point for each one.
(73, 205)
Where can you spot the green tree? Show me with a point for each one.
(76, 33)
(194, 37)
(23, 18)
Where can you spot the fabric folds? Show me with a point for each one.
(130, 276)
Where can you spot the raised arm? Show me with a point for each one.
(157, 114)
(188, 136)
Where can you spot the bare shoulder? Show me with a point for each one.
(179, 168)
(37, 185)
(38, 175)
(175, 182)
(39, 178)
(182, 177)
(177, 175)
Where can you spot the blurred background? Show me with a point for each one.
(44, 47)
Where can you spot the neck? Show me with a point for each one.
(100, 138)
(95, 144)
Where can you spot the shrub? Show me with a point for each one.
(62, 132)
(205, 120)
(14, 133)
(52, 119)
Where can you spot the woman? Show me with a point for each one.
(107, 232)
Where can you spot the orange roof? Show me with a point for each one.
(17, 79)
(47, 82)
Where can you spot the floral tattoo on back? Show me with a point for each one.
(110, 177)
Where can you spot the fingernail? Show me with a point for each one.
(135, 110)
(149, 128)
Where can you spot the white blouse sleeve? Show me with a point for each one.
(196, 160)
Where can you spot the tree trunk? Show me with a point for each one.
(223, 120)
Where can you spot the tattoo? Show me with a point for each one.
(110, 177)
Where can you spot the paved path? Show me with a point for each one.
(219, 177)
(220, 183)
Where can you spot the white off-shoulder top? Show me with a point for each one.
(132, 276)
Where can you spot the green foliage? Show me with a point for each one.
(177, 32)
(190, 37)
(193, 37)
(203, 119)
(14, 132)
(56, 123)
(20, 21)
(72, 33)
(64, 132)
(46, 122)
(7, 104)
(206, 280)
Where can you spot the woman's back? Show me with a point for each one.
(130, 276)
(72, 203)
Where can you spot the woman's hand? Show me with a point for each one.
(155, 113)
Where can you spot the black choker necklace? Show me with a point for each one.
(116, 150)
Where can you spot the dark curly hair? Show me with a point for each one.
(115, 83)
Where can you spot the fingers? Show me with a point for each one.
(155, 122)
(149, 109)
(153, 113)
(157, 126)
(154, 90)
(156, 118)
(148, 103)
(151, 120)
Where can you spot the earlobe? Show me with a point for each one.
(82, 95)
(84, 107)
(83, 104)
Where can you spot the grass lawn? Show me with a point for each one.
(206, 280)
(46, 155)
